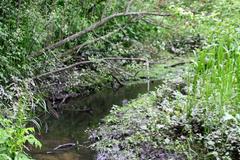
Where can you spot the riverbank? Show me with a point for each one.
(140, 129)
(157, 125)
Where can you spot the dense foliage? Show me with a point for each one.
(42, 43)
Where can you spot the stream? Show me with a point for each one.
(72, 124)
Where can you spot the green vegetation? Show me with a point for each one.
(17, 110)
(204, 124)
(38, 56)
(54, 49)
(14, 136)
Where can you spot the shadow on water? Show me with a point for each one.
(71, 126)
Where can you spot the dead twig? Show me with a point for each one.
(64, 146)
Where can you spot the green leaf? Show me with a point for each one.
(33, 141)
(3, 136)
(5, 157)
(21, 156)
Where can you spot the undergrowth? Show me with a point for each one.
(18, 106)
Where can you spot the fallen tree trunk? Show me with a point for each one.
(93, 27)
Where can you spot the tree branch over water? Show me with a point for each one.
(86, 62)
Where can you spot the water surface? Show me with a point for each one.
(72, 123)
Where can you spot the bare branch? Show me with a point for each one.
(93, 27)
(79, 47)
(62, 69)
(178, 64)
(86, 62)
(67, 145)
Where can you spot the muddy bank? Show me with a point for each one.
(139, 130)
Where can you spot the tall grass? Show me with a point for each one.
(215, 95)
(217, 74)
(217, 69)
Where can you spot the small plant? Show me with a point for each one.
(13, 140)
(16, 104)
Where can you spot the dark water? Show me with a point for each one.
(71, 126)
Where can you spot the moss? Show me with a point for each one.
(162, 67)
